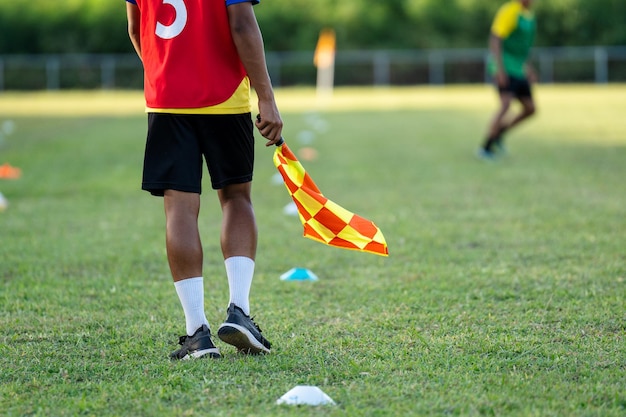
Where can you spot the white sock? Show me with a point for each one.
(191, 294)
(240, 270)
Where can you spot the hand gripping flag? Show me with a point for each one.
(322, 219)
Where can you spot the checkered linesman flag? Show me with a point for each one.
(324, 220)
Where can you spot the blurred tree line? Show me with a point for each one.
(99, 26)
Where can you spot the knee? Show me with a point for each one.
(181, 205)
(235, 192)
(504, 107)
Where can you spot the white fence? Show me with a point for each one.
(597, 64)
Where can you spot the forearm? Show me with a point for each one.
(530, 71)
(495, 46)
(249, 43)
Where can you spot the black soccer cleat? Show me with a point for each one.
(196, 346)
(242, 332)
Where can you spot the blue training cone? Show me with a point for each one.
(298, 274)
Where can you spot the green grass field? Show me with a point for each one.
(503, 295)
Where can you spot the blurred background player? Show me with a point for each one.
(511, 39)
(199, 59)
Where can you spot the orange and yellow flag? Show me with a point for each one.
(323, 220)
(324, 56)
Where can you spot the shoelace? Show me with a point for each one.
(263, 339)
(252, 320)
(255, 325)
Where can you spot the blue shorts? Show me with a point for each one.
(177, 143)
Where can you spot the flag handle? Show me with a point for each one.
(281, 141)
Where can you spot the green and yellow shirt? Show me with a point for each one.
(516, 26)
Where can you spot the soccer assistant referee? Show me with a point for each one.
(511, 39)
(200, 59)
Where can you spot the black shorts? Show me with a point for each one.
(518, 87)
(176, 144)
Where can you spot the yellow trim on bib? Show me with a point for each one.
(238, 103)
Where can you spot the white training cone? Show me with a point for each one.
(277, 179)
(306, 137)
(291, 209)
(8, 127)
(298, 274)
(305, 395)
(4, 203)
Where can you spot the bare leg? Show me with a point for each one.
(497, 122)
(528, 109)
(182, 238)
(239, 231)
(239, 242)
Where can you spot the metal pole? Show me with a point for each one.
(107, 72)
(601, 65)
(381, 69)
(274, 67)
(436, 68)
(546, 67)
(53, 66)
